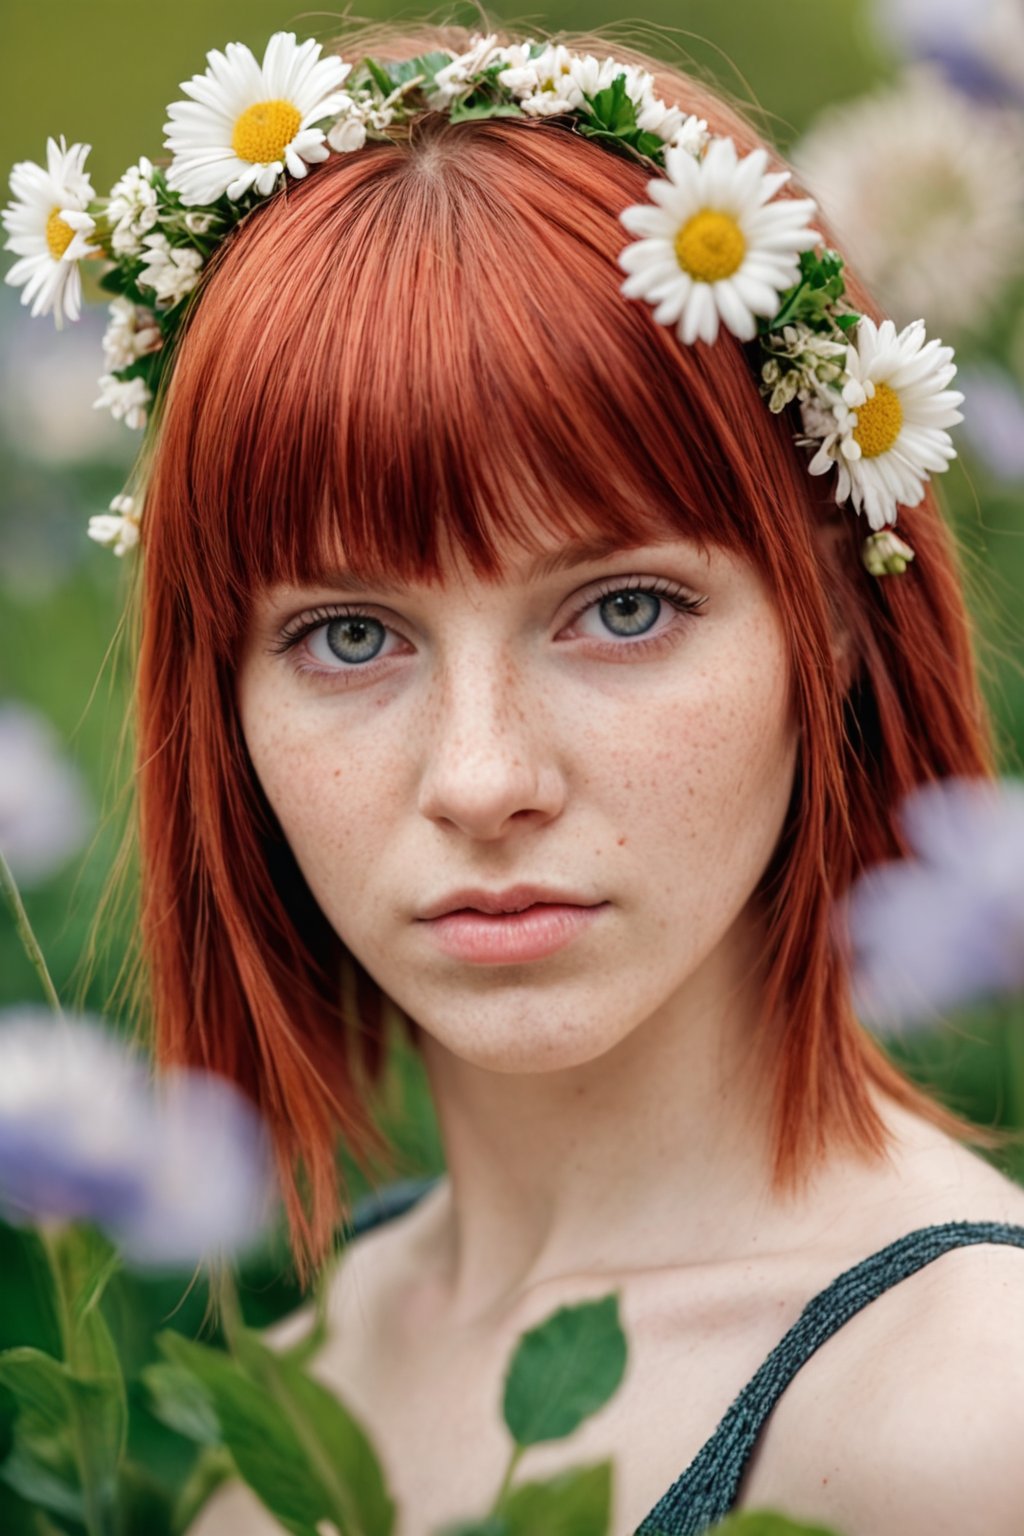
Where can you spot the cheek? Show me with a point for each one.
(332, 802)
(706, 798)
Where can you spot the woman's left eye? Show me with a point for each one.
(632, 611)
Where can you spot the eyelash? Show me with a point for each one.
(685, 606)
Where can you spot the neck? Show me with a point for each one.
(627, 1159)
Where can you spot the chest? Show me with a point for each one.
(431, 1400)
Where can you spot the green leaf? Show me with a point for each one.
(463, 111)
(613, 107)
(86, 1261)
(29, 1311)
(575, 1503)
(267, 1451)
(381, 77)
(766, 1522)
(335, 1439)
(43, 1466)
(490, 1525)
(424, 64)
(564, 1370)
(19, 1519)
(179, 1400)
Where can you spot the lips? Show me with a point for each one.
(516, 898)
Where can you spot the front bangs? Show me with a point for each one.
(423, 350)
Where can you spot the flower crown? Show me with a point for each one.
(717, 246)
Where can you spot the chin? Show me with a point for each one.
(510, 1048)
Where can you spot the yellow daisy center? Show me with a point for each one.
(59, 234)
(710, 246)
(264, 131)
(878, 422)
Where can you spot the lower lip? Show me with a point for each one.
(486, 939)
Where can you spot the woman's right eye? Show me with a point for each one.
(328, 641)
(352, 640)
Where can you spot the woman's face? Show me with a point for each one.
(617, 731)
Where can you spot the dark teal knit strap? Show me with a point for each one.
(380, 1205)
(706, 1491)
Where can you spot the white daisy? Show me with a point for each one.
(715, 247)
(887, 434)
(49, 229)
(127, 400)
(118, 529)
(248, 123)
(133, 208)
(131, 332)
(172, 271)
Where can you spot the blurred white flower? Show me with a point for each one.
(925, 190)
(131, 332)
(127, 400)
(118, 529)
(174, 1172)
(945, 925)
(45, 810)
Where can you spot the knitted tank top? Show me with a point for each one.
(707, 1489)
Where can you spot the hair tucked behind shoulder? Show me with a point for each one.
(423, 346)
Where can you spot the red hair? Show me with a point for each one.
(354, 343)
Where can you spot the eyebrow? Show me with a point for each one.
(571, 555)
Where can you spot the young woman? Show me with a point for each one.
(503, 667)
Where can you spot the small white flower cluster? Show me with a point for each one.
(717, 247)
(117, 529)
(133, 208)
(801, 361)
(555, 81)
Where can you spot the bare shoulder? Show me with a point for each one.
(909, 1420)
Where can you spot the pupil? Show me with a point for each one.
(638, 609)
(355, 639)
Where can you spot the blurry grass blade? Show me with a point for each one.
(9, 886)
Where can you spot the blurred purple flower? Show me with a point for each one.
(946, 925)
(978, 44)
(994, 424)
(174, 1171)
(45, 813)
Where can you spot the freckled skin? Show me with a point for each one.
(501, 742)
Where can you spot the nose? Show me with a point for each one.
(492, 750)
